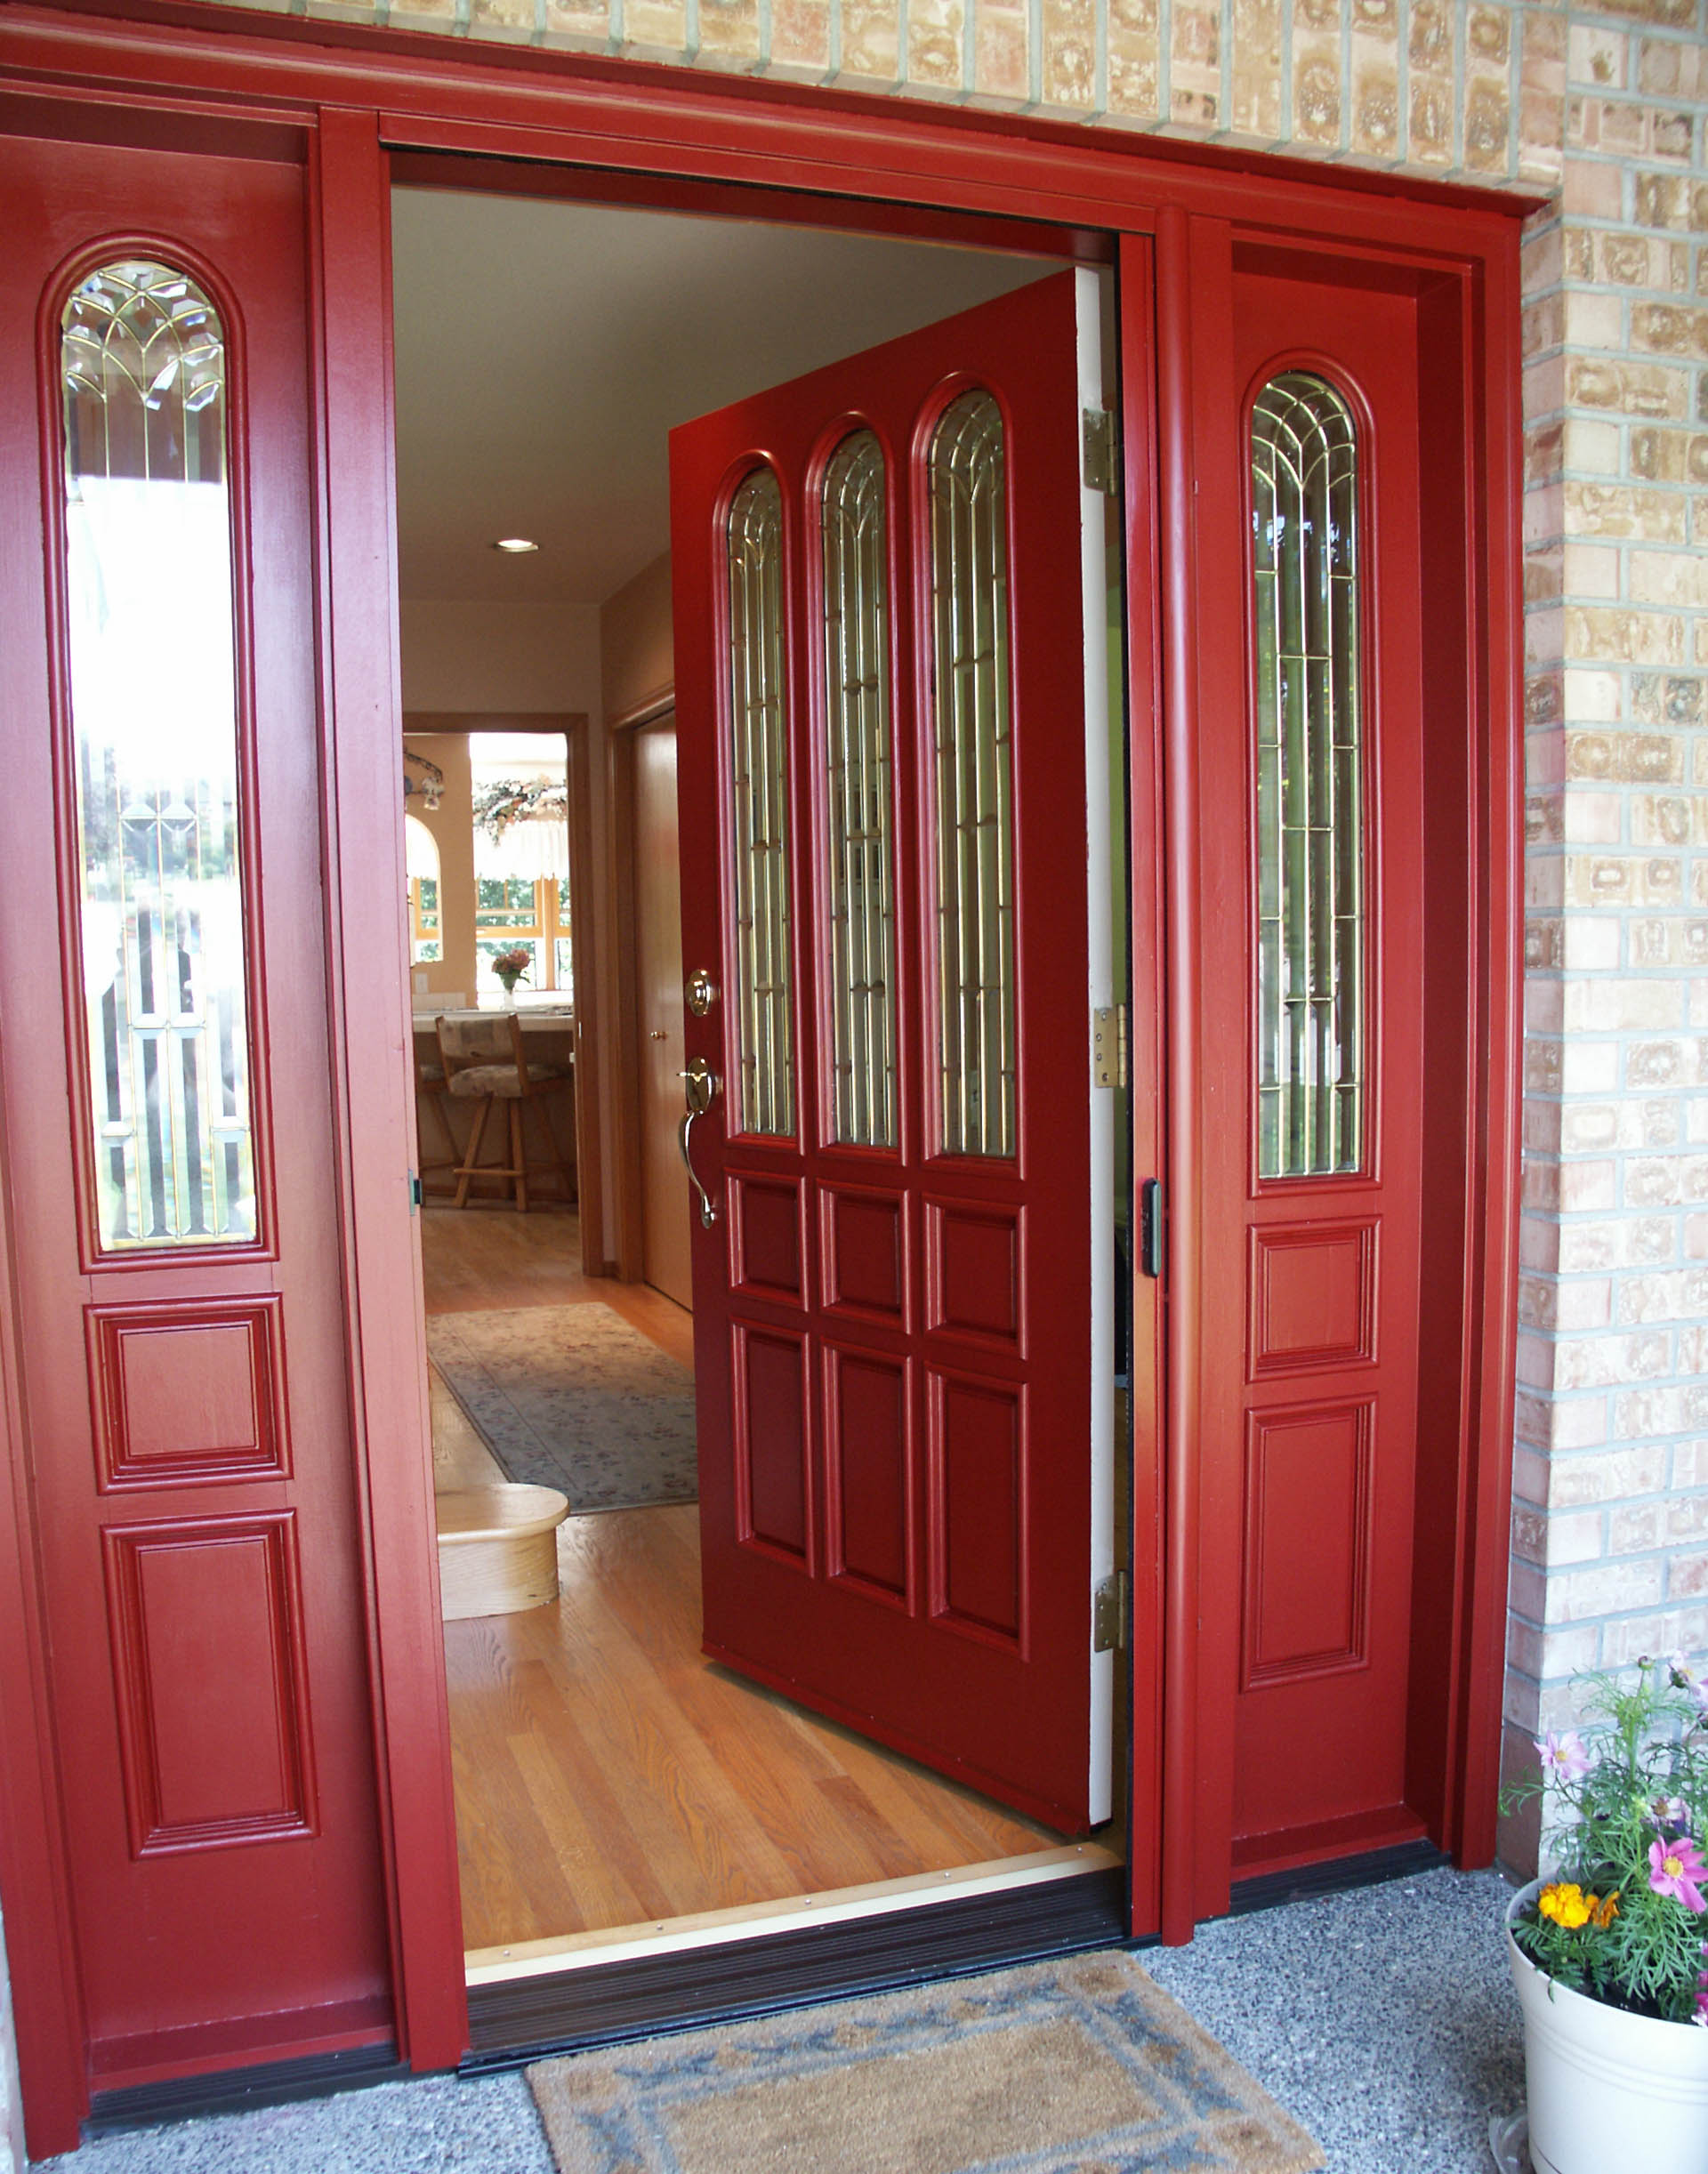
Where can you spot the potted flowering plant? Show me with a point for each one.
(1608, 1955)
(511, 966)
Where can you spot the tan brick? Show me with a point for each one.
(1001, 49)
(871, 40)
(1651, 390)
(1664, 329)
(935, 40)
(1617, 510)
(800, 38)
(1255, 105)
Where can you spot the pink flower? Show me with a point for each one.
(1564, 1756)
(1674, 1869)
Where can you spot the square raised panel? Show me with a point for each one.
(976, 1505)
(1313, 1296)
(205, 1616)
(973, 1272)
(1307, 1542)
(865, 1254)
(766, 1238)
(187, 1393)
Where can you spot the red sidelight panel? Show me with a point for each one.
(184, 1373)
(892, 1311)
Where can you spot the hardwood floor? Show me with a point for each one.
(607, 1776)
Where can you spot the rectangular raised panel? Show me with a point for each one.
(766, 1244)
(771, 1413)
(188, 1393)
(1307, 1545)
(865, 1254)
(972, 1271)
(866, 1431)
(978, 1499)
(1313, 1296)
(206, 1618)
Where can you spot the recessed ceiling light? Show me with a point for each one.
(515, 544)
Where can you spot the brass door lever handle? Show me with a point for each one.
(702, 1087)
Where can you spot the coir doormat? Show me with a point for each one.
(572, 1397)
(1082, 2067)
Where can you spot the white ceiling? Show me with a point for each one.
(544, 349)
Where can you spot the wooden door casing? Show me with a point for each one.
(868, 162)
(666, 1258)
(191, 1445)
(893, 1372)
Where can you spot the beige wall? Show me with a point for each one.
(499, 657)
(636, 651)
(451, 823)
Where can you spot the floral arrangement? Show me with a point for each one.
(515, 800)
(1625, 1918)
(511, 966)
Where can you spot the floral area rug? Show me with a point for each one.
(1082, 2066)
(571, 1396)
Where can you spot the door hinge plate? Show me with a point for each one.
(1109, 1614)
(1109, 1046)
(1098, 450)
(414, 1191)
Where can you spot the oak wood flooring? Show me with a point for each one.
(606, 1775)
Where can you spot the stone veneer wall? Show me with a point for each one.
(1601, 108)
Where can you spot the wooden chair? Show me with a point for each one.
(430, 1095)
(485, 1062)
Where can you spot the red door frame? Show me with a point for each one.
(194, 74)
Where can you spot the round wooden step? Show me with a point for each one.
(498, 1548)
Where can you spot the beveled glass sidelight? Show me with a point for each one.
(856, 764)
(973, 790)
(1311, 902)
(759, 789)
(153, 698)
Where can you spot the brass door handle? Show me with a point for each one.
(701, 1085)
(655, 1034)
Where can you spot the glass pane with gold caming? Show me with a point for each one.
(973, 775)
(149, 586)
(1309, 780)
(861, 885)
(759, 808)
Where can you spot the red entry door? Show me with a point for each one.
(170, 1163)
(881, 635)
(1314, 1172)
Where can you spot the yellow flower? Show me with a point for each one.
(1564, 1903)
(1604, 1910)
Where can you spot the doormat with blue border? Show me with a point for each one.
(1080, 2066)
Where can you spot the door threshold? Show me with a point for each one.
(583, 1951)
(984, 1917)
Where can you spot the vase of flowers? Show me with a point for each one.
(1608, 1955)
(510, 967)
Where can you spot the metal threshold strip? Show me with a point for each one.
(542, 1996)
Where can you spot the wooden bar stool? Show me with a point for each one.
(430, 1095)
(485, 1062)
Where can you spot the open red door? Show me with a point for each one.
(881, 579)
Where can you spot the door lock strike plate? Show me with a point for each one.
(1098, 450)
(1109, 1614)
(1109, 1046)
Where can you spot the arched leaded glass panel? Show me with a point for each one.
(973, 767)
(759, 789)
(1309, 780)
(149, 586)
(861, 885)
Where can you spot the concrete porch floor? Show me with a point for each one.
(1383, 2019)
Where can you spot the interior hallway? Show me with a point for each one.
(606, 1774)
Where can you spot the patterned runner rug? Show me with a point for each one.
(571, 1396)
(1082, 2067)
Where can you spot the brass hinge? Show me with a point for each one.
(1109, 1046)
(1097, 451)
(1109, 1614)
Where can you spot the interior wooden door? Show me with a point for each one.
(880, 608)
(666, 1262)
(170, 1156)
(1314, 1171)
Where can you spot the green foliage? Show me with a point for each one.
(1643, 1754)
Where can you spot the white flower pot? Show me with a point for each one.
(1607, 2089)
